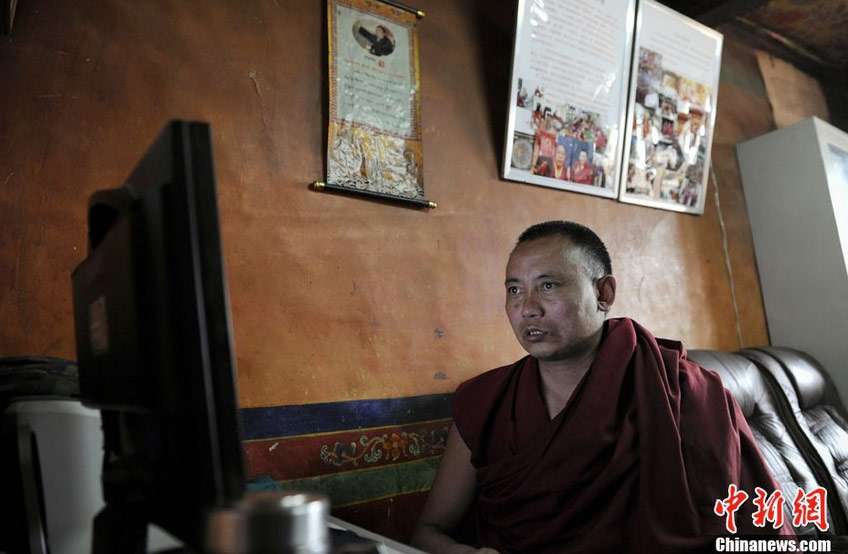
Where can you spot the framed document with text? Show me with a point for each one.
(671, 110)
(568, 94)
(374, 143)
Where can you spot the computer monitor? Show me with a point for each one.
(154, 346)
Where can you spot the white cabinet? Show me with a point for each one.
(796, 188)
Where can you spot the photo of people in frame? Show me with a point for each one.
(568, 143)
(669, 85)
(687, 91)
(563, 153)
(667, 128)
(667, 154)
(649, 75)
(544, 148)
(379, 42)
(668, 106)
(523, 99)
(582, 170)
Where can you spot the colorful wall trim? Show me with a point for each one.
(374, 459)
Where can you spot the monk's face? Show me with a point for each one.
(552, 299)
(560, 154)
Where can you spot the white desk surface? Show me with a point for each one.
(387, 545)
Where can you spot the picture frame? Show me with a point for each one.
(671, 111)
(374, 137)
(567, 97)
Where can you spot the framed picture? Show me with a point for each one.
(567, 99)
(671, 110)
(374, 142)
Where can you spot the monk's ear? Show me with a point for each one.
(606, 293)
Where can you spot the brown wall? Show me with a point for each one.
(332, 297)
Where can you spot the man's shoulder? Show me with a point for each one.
(489, 381)
(674, 356)
(475, 398)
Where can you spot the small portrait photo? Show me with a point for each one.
(653, 176)
(669, 84)
(650, 150)
(524, 100)
(670, 157)
(562, 157)
(637, 182)
(637, 151)
(582, 169)
(667, 129)
(544, 166)
(656, 128)
(670, 187)
(661, 155)
(697, 119)
(585, 126)
(376, 39)
(649, 74)
(544, 148)
(688, 195)
(686, 91)
(602, 165)
(694, 173)
(668, 106)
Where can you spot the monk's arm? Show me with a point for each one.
(449, 499)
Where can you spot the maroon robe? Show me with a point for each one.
(634, 462)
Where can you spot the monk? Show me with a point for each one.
(602, 439)
(560, 169)
(582, 171)
(544, 149)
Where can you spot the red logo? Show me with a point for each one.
(810, 508)
(768, 508)
(728, 506)
(806, 508)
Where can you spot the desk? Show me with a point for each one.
(387, 545)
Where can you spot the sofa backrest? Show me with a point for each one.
(762, 407)
(818, 421)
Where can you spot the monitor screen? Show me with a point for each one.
(153, 337)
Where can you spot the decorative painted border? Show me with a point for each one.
(287, 458)
(356, 452)
(310, 419)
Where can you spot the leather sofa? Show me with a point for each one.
(798, 421)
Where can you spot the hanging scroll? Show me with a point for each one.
(673, 90)
(374, 144)
(568, 94)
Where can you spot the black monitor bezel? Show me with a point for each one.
(164, 375)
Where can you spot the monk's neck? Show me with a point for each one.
(561, 368)
(559, 378)
(558, 385)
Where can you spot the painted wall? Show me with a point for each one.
(332, 297)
